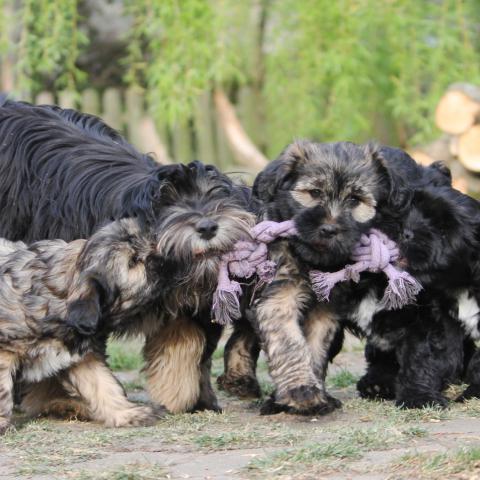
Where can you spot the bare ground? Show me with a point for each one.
(365, 440)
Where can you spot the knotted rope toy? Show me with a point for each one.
(374, 253)
(246, 259)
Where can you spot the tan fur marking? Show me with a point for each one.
(48, 397)
(104, 396)
(7, 369)
(290, 359)
(173, 354)
(320, 327)
(304, 198)
(363, 212)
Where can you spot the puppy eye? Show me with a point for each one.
(133, 261)
(315, 193)
(354, 199)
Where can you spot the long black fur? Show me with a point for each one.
(63, 173)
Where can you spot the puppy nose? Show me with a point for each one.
(328, 230)
(408, 235)
(206, 228)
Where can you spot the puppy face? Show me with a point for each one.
(332, 191)
(204, 214)
(119, 271)
(439, 233)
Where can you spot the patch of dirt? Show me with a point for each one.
(365, 440)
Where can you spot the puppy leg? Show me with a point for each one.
(7, 369)
(278, 313)
(172, 364)
(320, 330)
(240, 362)
(472, 377)
(207, 399)
(49, 397)
(105, 398)
(382, 370)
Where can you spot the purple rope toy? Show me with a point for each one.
(374, 253)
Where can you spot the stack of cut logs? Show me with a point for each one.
(458, 116)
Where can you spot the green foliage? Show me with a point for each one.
(343, 379)
(50, 43)
(177, 52)
(355, 69)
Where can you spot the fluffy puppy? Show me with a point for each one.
(50, 291)
(358, 187)
(332, 192)
(64, 173)
(415, 352)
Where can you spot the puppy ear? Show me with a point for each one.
(84, 308)
(444, 175)
(398, 195)
(277, 173)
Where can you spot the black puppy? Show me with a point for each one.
(414, 353)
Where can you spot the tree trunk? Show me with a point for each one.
(469, 149)
(244, 150)
(458, 108)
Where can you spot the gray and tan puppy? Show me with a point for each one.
(53, 296)
(332, 192)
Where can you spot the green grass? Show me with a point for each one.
(125, 355)
(131, 471)
(462, 463)
(346, 445)
(342, 379)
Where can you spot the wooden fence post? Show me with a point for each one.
(90, 102)
(204, 135)
(112, 108)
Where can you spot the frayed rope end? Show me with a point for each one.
(322, 284)
(400, 292)
(226, 304)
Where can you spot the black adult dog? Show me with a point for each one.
(64, 173)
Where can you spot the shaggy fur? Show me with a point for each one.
(63, 174)
(432, 342)
(333, 192)
(52, 296)
(358, 187)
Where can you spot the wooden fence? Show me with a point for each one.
(204, 136)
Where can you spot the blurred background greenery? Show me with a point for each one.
(327, 70)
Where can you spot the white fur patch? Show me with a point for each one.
(468, 313)
(380, 342)
(45, 360)
(365, 312)
(363, 213)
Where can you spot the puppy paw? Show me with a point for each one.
(422, 401)
(5, 426)
(371, 388)
(303, 400)
(242, 387)
(211, 406)
(271, 407)
(472, 391)
(137, 416)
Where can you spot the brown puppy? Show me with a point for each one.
(53, 295)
